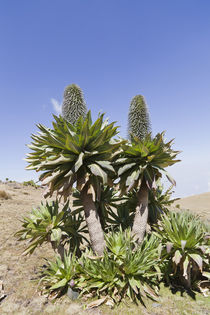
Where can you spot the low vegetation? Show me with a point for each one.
(30, 183)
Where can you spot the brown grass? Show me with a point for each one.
(4, 195)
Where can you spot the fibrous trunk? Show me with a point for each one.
(141, 215)
(93, 222)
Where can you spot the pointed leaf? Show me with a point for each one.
(59, 284)
(97, 171)
(56, 235)
(107, 165)
(177, 257)
(125, 168)
(183, 243)
(149, 291)
(198, 259)
(150, 178)
(185, 268)
(79, 162)
(71, 146)
(169, 246)
(206, 274)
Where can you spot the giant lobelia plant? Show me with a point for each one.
(140, 165)
(79, 154)
(142, 161)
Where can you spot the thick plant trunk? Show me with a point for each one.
(93, 222)
(141, 215)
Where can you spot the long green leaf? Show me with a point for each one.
(97, 171)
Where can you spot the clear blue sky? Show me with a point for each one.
(113, 49)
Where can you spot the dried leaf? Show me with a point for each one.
(94, 257)
(183, 243)
(2, 293)
(97, 302)
(110, 302)
(204, 287)
(169, 246)
(177, 257)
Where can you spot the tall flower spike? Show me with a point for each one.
(73, 104)
(138, 118)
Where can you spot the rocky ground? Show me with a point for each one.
(18, 291)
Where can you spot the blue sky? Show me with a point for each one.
(113, 50)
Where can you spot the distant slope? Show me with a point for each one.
(199, 204)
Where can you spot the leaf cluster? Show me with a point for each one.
(68, 154)
(58, 274)
(159, 202)
(124, 270)
(144, 160)
(183, 242)
(47, 223)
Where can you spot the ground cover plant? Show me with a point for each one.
(123, 270)
(48, 223)
(184, 247)
(115, 190)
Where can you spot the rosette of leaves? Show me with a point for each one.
(58, 275)
(184, 247)
(47, 223)
(123, 270)
(140, 165)
(78, 154)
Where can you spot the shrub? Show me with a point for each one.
(183, 246)
(58, 275)
(30, 183)
(124, 270)
(47, 223)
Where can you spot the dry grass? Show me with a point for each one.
(4, 195)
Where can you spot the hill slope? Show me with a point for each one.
(198, 204)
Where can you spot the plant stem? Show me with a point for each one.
(93, 222)
(141, 215)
